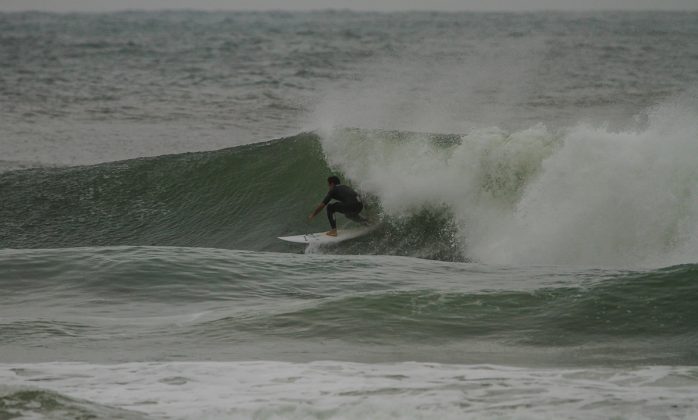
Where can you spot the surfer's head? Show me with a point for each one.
(332, 181)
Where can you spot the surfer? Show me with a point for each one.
(348, 202)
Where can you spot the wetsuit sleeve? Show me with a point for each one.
(328, 197)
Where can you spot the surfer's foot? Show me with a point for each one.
(332, 232)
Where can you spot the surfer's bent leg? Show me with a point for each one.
(331, 209)
(355, 216)
(351, 212)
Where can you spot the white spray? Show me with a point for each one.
(585, 195)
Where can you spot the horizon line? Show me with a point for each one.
(349, 10)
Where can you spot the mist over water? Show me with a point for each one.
(531, 177)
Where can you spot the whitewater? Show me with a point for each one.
(532, 177)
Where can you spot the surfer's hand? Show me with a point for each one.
(310, 217)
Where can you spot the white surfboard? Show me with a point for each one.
(323, 238)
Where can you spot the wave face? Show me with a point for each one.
(582, 196)
(242, 198)
(234, 198)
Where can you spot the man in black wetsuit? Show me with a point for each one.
(348, 202)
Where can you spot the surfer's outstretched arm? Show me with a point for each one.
(317, 210)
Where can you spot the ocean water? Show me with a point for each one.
(532, 177)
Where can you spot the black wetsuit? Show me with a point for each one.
(348, 202)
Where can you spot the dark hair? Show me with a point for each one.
(333, 180)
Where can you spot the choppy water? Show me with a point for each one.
(532, 177)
